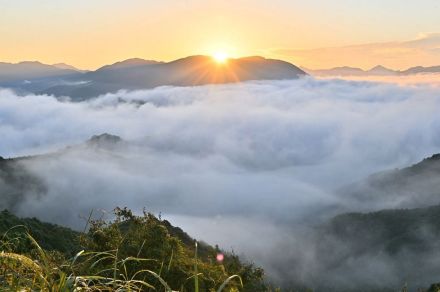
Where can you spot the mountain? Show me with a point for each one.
(352, 71)
(129, 63)
(381, 71)
(49, 236)
(133, 74)
(420, 69)
(104, 141)
(337, 71)
(378, 251)
(25, 71)
(68, 67)
(17, 183)
(191, 71)
(410, 187)
(375, 71)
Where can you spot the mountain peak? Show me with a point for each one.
(104, 140)
(31, 63)
(133, 62)
(378, 67)
(65, 66)
(381, 70)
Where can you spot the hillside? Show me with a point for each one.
(49, 236)
(390, 231)
(414, 186)
(376, 251)
(143, 243)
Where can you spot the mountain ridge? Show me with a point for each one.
(378, 70)
(136, 74)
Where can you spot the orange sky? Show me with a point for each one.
(88, 34)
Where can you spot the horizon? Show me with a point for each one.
(213, 57)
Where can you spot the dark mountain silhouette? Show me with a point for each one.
(375, 71)
(381, 71)
(352, 71)
(420, 69)
(132, 74)
(129, 63)
(191, 71)
(26, 71)
(68, 67)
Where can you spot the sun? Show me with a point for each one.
(220, 57)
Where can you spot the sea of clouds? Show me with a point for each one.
(243, 165)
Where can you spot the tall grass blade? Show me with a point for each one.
(226, 282)
(196, 273)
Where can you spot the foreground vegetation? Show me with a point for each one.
(145, 253)
(130, 253)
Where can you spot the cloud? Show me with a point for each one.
(258, 145)
(244, 165)
(422, 51)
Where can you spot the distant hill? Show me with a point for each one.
(375, 71)
(378, 251)
(410, 187)
(49, 236)
(420, 69)
(381, 71)
(68, 67)
(132, 74)
(25, 71)
(352, 71)
(17, 182)
(129, 63)
(337, 71)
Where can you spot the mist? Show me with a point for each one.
(248, 166)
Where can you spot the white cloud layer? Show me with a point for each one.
(264, 153)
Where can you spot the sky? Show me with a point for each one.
(315, 33)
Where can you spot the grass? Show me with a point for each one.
(129, 254)
(21, 273)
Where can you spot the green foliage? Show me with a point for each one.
(50, 236)
(130, 253)
(390, 230)
(434, 288)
